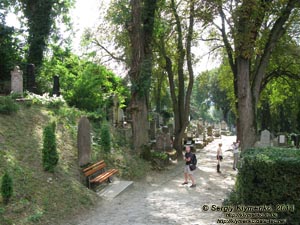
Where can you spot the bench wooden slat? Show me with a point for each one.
(104, 176)
(97, 173)
(95, 169)
(92, 166)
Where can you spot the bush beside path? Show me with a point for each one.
(160, 199)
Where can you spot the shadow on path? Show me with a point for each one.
(161, 199)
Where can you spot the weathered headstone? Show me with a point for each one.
(163, 142)
(17, 80)
(223, 125)
(56, 86)
(84, 141)
(265, 138)
(282, 140)
(30, 79)
(209, 131)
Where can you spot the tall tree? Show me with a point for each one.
(255, 28)
(180, 93)
(141, 33)
(41, 16)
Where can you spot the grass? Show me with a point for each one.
(39, 197)
(46, 198)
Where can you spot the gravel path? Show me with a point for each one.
(161, 199)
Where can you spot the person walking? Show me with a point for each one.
(187, 171)
(235, 147)
(219, 157)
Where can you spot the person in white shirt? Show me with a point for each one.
(235, 147)
(219, 157)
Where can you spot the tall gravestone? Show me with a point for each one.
(84, 141)
(30, 79)
(265, 138)
(17, 80)
(56, 86)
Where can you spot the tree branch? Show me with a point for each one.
(276, 33)
(228, 47)
(97, 43)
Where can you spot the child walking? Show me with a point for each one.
(219, 157)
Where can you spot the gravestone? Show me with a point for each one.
(30, 79)
(84, 141)
(223, 125)
(17, 80)
(282, 140)
(56, 87)
(209, 131)
(163, 142)
(265, 138)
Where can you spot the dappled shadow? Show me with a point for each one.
(161, 199)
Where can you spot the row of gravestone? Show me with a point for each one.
(17, 81)
(282, 140)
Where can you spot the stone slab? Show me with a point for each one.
(114, 189)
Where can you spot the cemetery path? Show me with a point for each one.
(160, 199)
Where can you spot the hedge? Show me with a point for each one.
(270, 176)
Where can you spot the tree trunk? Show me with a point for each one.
(140, 33)
(140, 126)
(246, 112)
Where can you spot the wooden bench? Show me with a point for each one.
(97, 173)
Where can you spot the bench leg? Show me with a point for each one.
(109, 180)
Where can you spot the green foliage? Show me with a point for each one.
(36, 217)
(159, 155)
(9, 50)
(85, 85)
(41, 17)
(105, 137)
(146, 153)
(6, 187)
(8, 105)
(281, 96)
(50, 154)
(211, 95)
(269, 176)
(134, 167)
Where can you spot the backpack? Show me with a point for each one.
(193, 162)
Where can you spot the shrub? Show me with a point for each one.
(105, 137)
(8, 105)
(270, 176)
(146, 153)
(6, 187)
(50, 155)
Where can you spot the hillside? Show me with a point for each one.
(40, 197)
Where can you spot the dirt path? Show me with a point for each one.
(162, 200)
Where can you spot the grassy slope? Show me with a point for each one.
(39, 197)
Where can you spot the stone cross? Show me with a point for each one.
(84, 141)
(17, 80)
